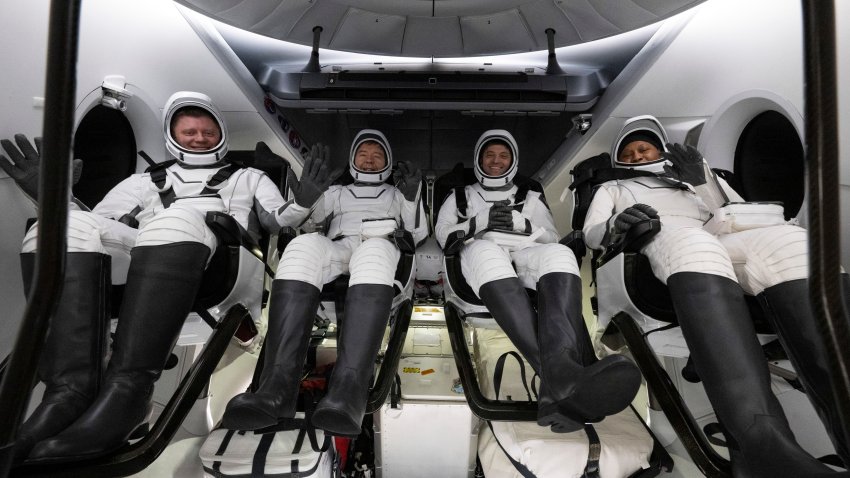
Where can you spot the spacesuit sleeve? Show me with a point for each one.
(273, 211)
(413, 216)
(599, 217)
(537, 217)
(127, 197)
(448, 221)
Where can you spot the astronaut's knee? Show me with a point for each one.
(83, 234)
(308, 248)
(556, 258)
(304, 259)
(688, 250)
(176, 224)
(374, 262)
(485, 261)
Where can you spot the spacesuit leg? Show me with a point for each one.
(370, 295)
(772, 263)
(161, 285)
(574, 383)
(292, 306)
(71, 362)
(687, 249)
(728, 358)
(574, 388)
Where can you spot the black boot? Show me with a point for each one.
(717, 326)
(787, 307)
(292, 307)
(161, 287)
(367, 309)
(71, 364)
(580, 385)
(575, 388)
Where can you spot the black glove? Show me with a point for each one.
(27, 160)
(501, 216)
(687, 164)
(266, 158)
(633, 215)
(407, 178)
(314, 177)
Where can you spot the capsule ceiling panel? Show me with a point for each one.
(439, 28)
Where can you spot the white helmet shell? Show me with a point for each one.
(647, 125)
(507, 176)
(184, 99)
(375, 177)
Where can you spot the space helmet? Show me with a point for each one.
(508, 176)
(375, 177)
(191, 99)
(641, 128)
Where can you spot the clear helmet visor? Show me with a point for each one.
(194, 129)
(639, 145)
(496, 137)
(380, 175)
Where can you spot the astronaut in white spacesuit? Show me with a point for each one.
(358, 219)
(148, 232)
(504, 223)
(707, 274)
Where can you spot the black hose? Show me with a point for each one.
(53, 193)
(824, 217)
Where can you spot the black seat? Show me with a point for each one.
(401, 310)
(463, 307)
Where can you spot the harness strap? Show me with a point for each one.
(222, 448)
(460, 202)
(601, 175)
(500, 368)
(258, 465)
(220, 176)
(593, 453)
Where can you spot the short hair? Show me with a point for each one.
(194, 112)
(492, 142)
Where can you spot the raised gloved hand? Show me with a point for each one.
(687, 164)
(315, 178)
(407, 178)
(27, 160)
(500, 216)
(633, 215)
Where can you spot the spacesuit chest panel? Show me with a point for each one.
(234, 196)
(356, 203)
(673, 204)
(480, 199)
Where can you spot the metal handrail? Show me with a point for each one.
(53, 192)
(389, 366)
(824, 217)
(703, 455)
(482, 407)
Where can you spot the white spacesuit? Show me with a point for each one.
(356, 220)
(758, 258)
(707, 274)
(150, 233)
(575, 387)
